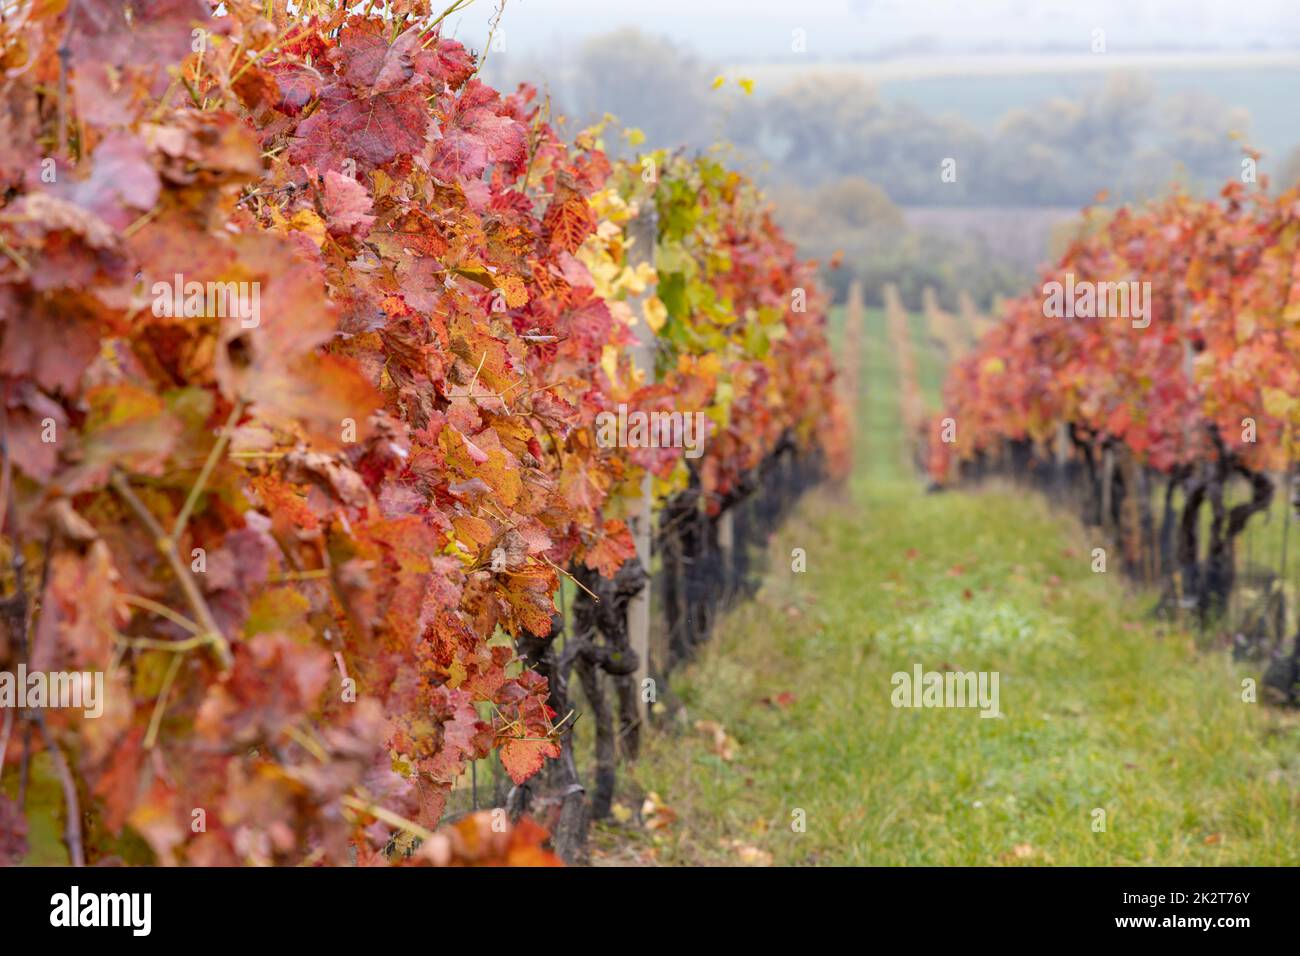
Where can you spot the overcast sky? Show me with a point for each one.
(748, 30)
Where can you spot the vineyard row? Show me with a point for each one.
(305, 333)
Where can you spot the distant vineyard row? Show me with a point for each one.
(1165, 342)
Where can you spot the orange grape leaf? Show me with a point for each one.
(614, 547)
(527, 738)
(530, 595)
(568, 220)
(523, 758)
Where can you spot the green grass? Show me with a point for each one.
(1102, 708)
(878, 449)
(929, 360)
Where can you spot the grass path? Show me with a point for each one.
(1102, 709)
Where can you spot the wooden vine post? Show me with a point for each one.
(643, 232)
(854, 344)
(726, 549)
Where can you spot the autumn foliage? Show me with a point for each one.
(1215, 374)
(297, 542)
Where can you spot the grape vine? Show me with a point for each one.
(303, 333)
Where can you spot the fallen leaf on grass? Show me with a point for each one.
(1027, 852)
(723, 744)
(655, 813)
(749, 855)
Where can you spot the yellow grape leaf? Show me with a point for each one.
(515, 433)
(677, 479)
(636, 280)
(1291, 313)
(720, 411)
(282, 610)
(456, 673)
(609, 361)
(622, 312)
(607, 230)
(604, 270)
(671, 257)
(718, 81)
(1278, 404)
(608, 204)
(513, 288)
(1246, 322)
(306, 220)
(710, 364)
(503, 476)
(747, 85)
(381, 184)
(1197, 273)
(655, 312)
(472, 529)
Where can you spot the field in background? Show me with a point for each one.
(982, 89)
(1019, 234)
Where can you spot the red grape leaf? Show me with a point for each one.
(347, 205)
(276, 680)
(370, 130)
(158, 31)
(298, 86)
(476, 138)
(446, 62)
(367, 61)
